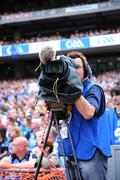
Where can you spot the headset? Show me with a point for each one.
(87, 70)
(86, 66)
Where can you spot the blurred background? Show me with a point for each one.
(90, 26)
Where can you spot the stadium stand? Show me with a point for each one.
(36, 5)
(57, 21)
(25, 28)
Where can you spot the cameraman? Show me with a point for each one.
(88, 129)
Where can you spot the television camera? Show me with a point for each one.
(59, 86)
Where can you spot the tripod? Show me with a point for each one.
(59, 112)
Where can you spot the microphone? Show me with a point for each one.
(47, 53)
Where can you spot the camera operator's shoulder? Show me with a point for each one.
(96, 87)
(96, 90)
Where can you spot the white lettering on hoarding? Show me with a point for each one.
(105, 40)
(74, 44)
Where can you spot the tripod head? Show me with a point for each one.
(60, 110)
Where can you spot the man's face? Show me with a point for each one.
(15, 147)
(39, 135)
(79, 69)
(116, 100)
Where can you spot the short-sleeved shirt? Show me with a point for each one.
(94, 95)
(13, 159)
(86, 135)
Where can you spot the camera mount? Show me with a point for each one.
(59, 111)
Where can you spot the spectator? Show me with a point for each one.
(10, 120)
(114, 116)
(57, 36)
(49, 157)
(3, 144)
(26, 128)
(19, 155)
(14, 131)
(31, 133)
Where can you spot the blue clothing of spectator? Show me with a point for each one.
(9, 144)
(114, 123)
(114, 116)
(21, 125)
(3, 149)
(30, 136)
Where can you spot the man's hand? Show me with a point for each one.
(5, 165)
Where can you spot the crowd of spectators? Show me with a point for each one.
(20, 116)
(60, 36)
(108, 80)
(28, 6)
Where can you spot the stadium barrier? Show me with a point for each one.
(29, 174)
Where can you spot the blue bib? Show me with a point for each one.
(88, 135)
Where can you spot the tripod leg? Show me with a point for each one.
(77, 172)
(67, 167)
(45, 142)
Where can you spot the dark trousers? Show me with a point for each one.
(93, 169)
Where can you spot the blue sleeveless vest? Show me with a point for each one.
(88, 135)
(114, 124)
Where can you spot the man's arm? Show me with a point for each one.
(53, 159)
(85, 108)
(28, 164)
(7, 165)
(90, 106)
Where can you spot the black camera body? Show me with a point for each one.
(55, 69)
(59, 82)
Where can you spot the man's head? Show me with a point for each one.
(38, 137)
(115, 93)
(36, 123)
(82, 67)
(10, 120)
(20, 146)
(14, 132)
